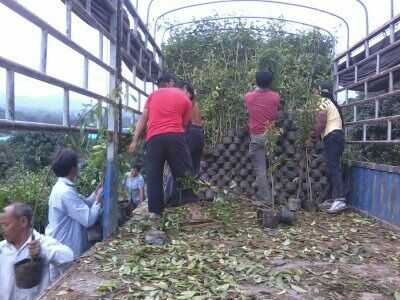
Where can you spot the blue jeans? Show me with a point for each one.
(334, 147)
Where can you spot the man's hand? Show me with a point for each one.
(132, 146)
(99, 192)
(34, 248)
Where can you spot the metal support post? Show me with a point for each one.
(85, 73)
(101, 46)
(10, 95)
(68, 6)
(43, 52)
(389, 130)
(378, 63)
(356, 74)
(66, 119)
(110, 203)
(355, 113)
(392, 29)
(391, 81)
(364, 132)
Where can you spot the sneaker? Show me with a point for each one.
(154, 216)
(326, 204)
(155, 220)
(337, 206)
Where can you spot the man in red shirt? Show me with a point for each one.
(167, 112)
(262, 107)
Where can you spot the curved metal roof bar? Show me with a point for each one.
(248, 17)
(366, 16)
(266, 1)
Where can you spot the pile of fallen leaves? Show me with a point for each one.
(321, 257)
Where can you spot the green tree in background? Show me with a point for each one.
(221, 58)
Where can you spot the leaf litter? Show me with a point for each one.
(348, 256)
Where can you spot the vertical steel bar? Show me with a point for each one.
(355, 113)
(128, 42)
(134, 74)
(376, 109)
(378, 63)
(126, 94)
(101, 46)
(110, 215)
(356, 74)
(66, 118)
(392, 29)
(364, 132)
(86, 72)
(366, 90)
(43, 52)
(89, 6)
(10, 96)
(389, 130)
(141, 56)
(99, 118)
(390, 81)
(392, 9)
(68, 6)
(140, 102)
(150, 69)
(366, 46)
(346, 96)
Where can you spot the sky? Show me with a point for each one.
(21, 40)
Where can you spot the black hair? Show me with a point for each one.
(182, 84)
(22, 210)
(325, 88)
(166, 78)
(137, 167)
(264, 79)
(65, 160)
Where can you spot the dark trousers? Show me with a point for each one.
(334, 147)
(195, 141)
(171, 148)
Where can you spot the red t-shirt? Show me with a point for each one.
(169, 112)
(262, 106)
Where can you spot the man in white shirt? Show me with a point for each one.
(70, 213)
(329, 125)
(134, 186)
(19, 245)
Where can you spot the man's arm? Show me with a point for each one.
(187, 115)
(141, 190)
(320, 122)
(78, 210)
(141, 194)
(54, 252)
(139, 130)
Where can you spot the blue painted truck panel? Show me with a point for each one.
(374, 189)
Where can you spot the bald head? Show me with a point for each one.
(19, 210)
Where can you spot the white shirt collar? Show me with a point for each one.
(29, 239)
(66, 181)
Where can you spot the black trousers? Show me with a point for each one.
(334, 147)
(195, 140)
(171, 148)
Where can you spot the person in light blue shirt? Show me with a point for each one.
(70, 213)
(134, 186)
